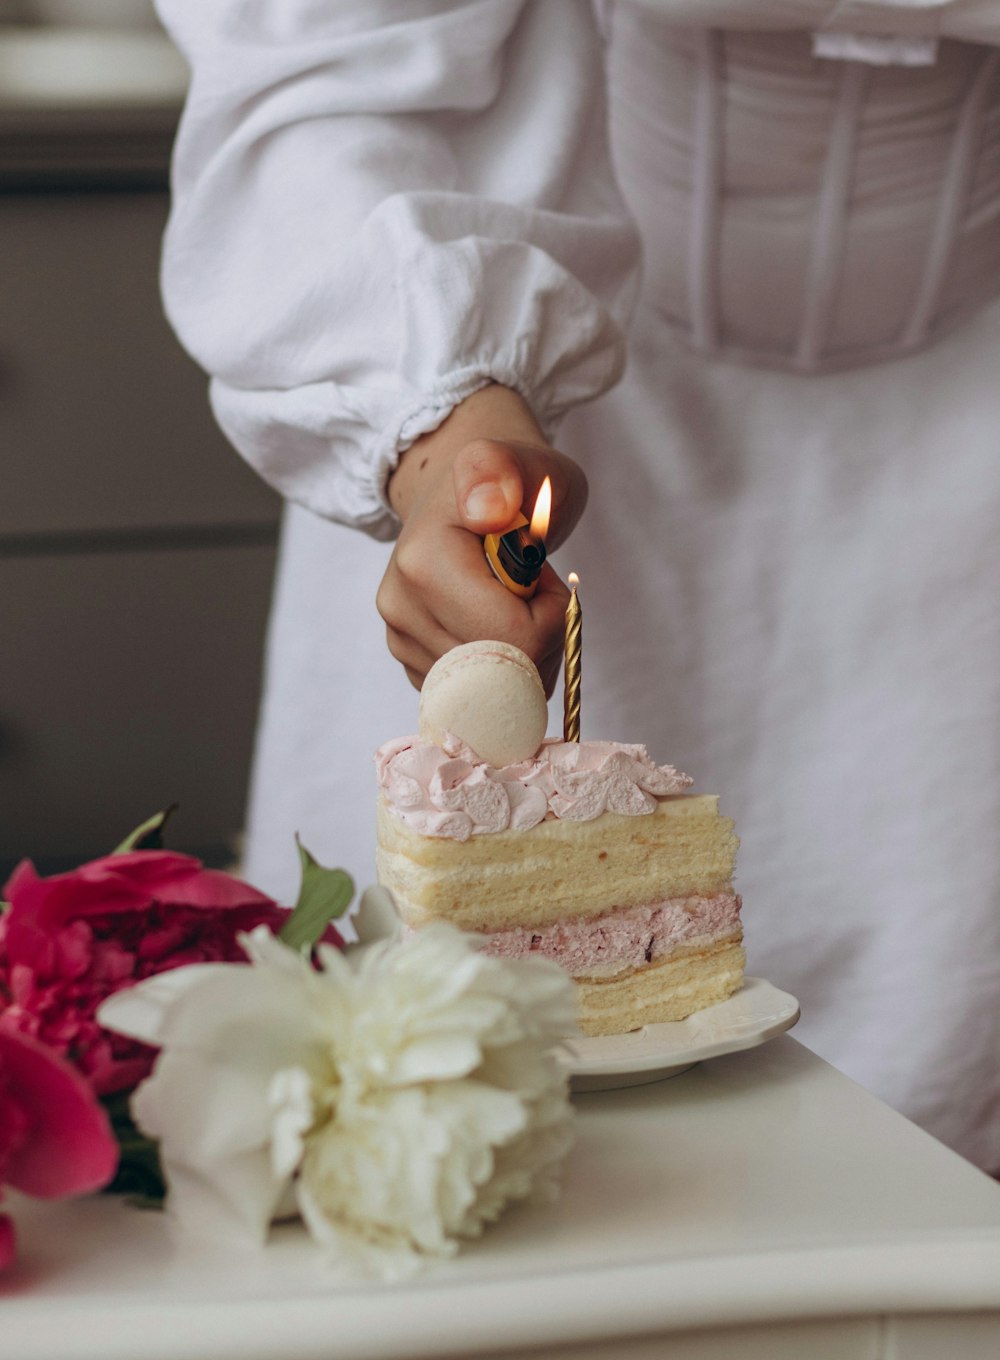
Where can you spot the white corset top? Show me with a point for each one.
(800, 211)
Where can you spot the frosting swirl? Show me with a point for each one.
(449, 792)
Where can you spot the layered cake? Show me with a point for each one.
(585, 852)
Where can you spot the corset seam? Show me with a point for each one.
(703, 286)
(956, 185)
(827, 248)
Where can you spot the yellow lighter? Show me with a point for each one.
(518, 554)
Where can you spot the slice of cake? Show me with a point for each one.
(587, 853)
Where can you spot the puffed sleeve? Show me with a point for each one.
(379, 208)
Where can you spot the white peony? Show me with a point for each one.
(406, 1091)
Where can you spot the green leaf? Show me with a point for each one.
(324, 895)
(139, 1174)
(149, 835)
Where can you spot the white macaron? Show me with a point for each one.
(488, 695)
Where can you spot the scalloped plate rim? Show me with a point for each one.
(679, 1044)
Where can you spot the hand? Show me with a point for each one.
(468, 478)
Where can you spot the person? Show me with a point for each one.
(413, 242)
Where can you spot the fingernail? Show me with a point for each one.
(485, 501)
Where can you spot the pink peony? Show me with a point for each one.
(55, 1138)
(71, 940)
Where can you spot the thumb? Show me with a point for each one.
(489, 486)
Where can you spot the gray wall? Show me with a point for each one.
(136, 550)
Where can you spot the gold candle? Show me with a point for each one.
(571, 683)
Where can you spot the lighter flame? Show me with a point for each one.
(573, 579)
(542, 512)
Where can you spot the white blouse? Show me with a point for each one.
(379, 208)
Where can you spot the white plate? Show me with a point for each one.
(756, 1013)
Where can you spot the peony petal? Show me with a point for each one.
(262, 946)
(289, 1098)
(437, 1057)
(376, 917)
(8, 1241)
(22, 880)
(68, 1148)
(235, 1198)
(40, 906)
(124, 883)
(215, 1129)
(201, 1112)
(210, 888)
(141, 1011)
(150, 869)
(208, 1089)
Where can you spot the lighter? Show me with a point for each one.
(518, 554)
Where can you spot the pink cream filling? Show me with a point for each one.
(453, 794)
(618, 941)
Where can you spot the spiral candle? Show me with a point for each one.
(571, 684)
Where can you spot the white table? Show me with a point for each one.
(759, 1206)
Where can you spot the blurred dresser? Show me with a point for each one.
(136, 550)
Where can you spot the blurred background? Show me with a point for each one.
(136, 550)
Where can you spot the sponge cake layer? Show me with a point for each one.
(559, 868)
(672, 990)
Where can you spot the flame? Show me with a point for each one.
(542, 512)
(573, 579)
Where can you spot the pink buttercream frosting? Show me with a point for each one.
(450, 792)
(620, 940)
